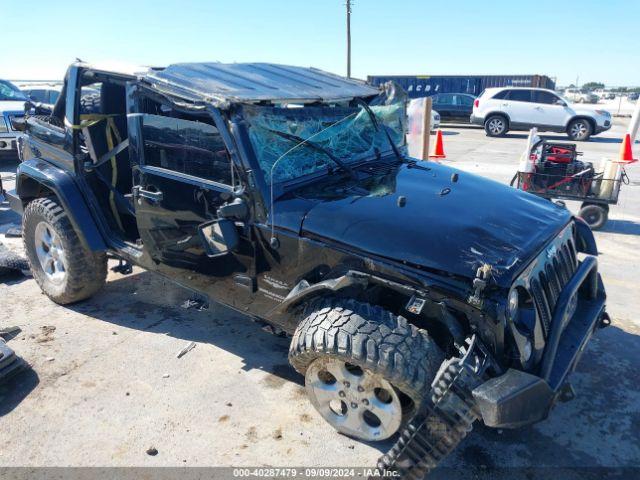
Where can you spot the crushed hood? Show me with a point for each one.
(447, 226)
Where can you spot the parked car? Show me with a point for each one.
(42, 93)
(578, 95)
(633, 96)
(511, 108)
(436, 118)
(454, 107)
(251, 184)
(604, 94)
(12, 105)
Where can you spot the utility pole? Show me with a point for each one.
(348, 4)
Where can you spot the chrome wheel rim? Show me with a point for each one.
(579, 130)
(496, 126)
(50, 253)
(353, 400)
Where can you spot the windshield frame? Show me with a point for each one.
(12, 87)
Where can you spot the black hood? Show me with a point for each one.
(441, 224)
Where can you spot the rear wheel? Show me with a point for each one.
(62, 266)
(496, 126)
(595, 215)
(366, 370)
(579, 130)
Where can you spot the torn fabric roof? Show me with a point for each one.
(225, 83)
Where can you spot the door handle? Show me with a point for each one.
(538, 108)
(155, 196)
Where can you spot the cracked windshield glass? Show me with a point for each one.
(306, 140)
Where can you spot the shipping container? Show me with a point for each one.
(427, 85)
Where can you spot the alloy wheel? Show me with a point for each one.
(353, 400)
(50, 253)
(496, 126)
(579, 130)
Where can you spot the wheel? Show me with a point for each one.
(64, 269)
(595, 215)
(496, 126)
(579, 130)
(366, 370)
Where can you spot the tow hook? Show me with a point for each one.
(605, 320)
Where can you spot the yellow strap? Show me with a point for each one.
(88, 120)
(110, 131)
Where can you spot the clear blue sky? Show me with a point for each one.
(595, 40)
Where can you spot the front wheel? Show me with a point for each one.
(579, 130)
(366, 370)
(496, 126)
(64, 269)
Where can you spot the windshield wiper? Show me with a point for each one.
(374, 120)
(315, 146)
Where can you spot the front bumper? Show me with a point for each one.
(518, 398)
(8, 144)
(603, 128)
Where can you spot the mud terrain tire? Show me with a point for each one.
(371, 338)
(85, 271)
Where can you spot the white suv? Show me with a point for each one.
(512, 108)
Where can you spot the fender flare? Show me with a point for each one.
(585, 242)
(498, 112)
(34, 176)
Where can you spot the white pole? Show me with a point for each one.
(635, 122)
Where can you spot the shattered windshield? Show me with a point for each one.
(305, 140)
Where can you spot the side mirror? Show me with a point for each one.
(19, 124)
(219, 237)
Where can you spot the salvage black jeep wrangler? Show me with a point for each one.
(419, 298)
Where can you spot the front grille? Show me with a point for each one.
(549, 281)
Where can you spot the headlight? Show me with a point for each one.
(513, 304)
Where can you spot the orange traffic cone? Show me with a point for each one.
(626, 155)
(439, 148)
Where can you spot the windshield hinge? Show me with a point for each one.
(483, 275)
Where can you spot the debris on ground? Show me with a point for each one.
(15, 232)
(166, 375)
(195, 303)
(186, 349)
(153, 451)
(46, 334)
(10, 363)
(9, 332)
(11, 262)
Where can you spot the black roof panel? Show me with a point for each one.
(224, 83)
